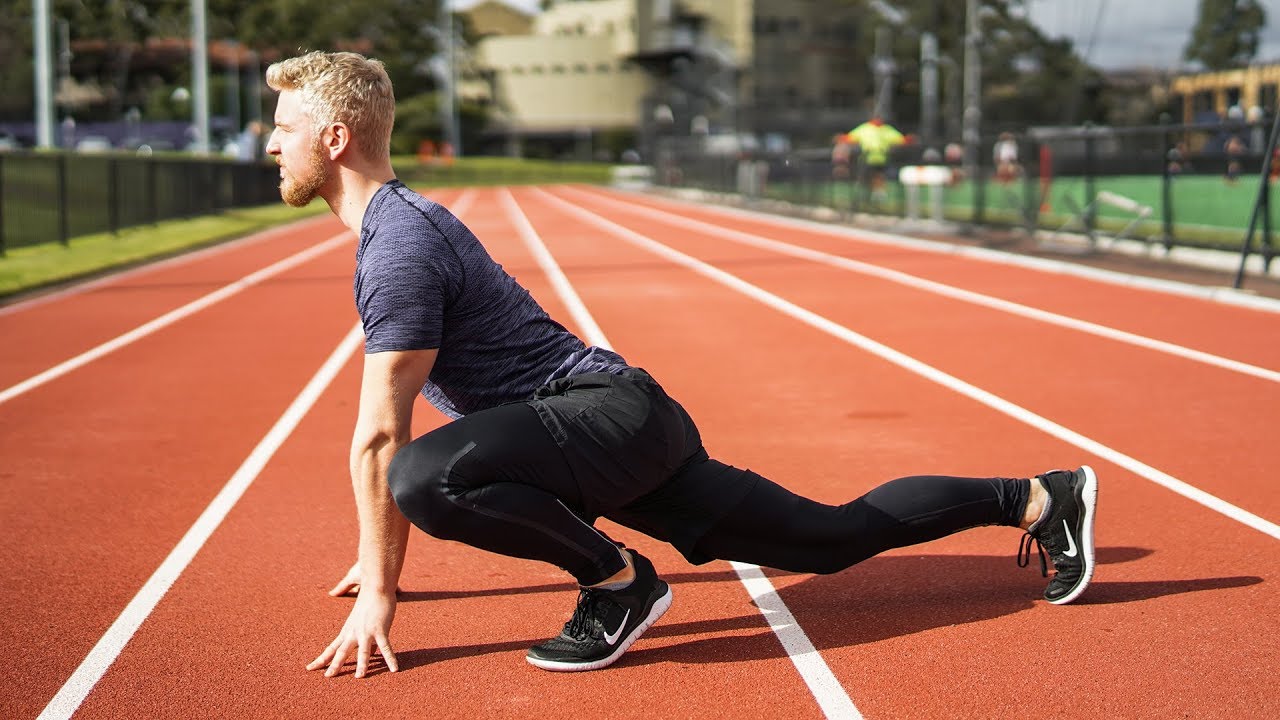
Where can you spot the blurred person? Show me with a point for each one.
(248, 145)
(841, 152)
(1235, 151)
(874, 139)
(1005, 155)
(549, 434)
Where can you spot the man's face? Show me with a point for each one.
(298, 151)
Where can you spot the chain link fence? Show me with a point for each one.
(1166, 185)
(54, 197)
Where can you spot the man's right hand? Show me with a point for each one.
(350, 583)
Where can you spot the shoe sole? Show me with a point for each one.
(1089, 498)
(659, 608)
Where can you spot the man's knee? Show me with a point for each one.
(418, 478)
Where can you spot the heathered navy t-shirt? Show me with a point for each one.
(423, 281)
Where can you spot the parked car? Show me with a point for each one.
(93, 143)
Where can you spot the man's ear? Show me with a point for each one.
(336, 140)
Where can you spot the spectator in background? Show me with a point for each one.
(841, 151)
(249, 145)
(874, 139)
(1005, 155)
(1234, 149)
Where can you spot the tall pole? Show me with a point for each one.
(200, 76)
(972, 90)
(929, 89)
(883, 68)
(43, 74)
(233, 88)
(448, 105)
(255, 86)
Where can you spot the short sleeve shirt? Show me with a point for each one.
(423, 281)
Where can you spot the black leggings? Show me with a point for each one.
(498, 480)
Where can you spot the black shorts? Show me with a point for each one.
(637, 457)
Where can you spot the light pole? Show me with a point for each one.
(200, 76)
(448, 104)
(43, 79)
(972, 90)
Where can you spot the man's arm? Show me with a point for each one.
(389, 387)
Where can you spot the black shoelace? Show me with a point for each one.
(1024, 553)
(579, 626)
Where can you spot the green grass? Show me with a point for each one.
(1207, 210)
(26, 268)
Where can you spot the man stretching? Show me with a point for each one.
(549, 434)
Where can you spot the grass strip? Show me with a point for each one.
(28, 268)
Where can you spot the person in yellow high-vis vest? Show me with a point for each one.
(874, 139)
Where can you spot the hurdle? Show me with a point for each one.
(1139, 211)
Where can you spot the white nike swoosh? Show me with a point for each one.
(1071, 543)
(612, 639)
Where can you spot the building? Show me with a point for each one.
(592, 75)
(1201, 96)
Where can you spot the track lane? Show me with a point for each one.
(1240, 333)
(44, 332)
(720, 650)
(106, 468)
(1079, 380)
(870, 436)
(465, 614)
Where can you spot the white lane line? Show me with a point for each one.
(560, 283)
(172, 316)
(926, 371)
(105, 652)
(831, 697)
(827, 690)
(1223, 295)
(183, 259)
(938, 288)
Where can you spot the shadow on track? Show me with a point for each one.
(884, 597)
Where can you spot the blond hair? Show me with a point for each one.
(343, 87)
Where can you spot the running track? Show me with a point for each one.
(826, 359)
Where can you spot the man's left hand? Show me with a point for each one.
(367, 627)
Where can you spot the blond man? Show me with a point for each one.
(549, 434)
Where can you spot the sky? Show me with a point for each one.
(1112, 34)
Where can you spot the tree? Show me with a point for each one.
(1226, 34)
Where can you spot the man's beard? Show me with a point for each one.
(299, 191)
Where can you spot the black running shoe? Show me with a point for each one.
(1066, 532)
(605, 623)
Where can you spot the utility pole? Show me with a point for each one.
(929, 90)
(883, 68)
(448, 104)
(200, 76)
(43, 75)
(972, 91)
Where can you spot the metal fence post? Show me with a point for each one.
(1169, 156)
(1268, 251)
(2, 251)
(64, 235)
(1031, 200)
(113, 195)
(1090, 190)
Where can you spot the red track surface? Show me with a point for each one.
(103, 470)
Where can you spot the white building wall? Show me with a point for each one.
(562, 83)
